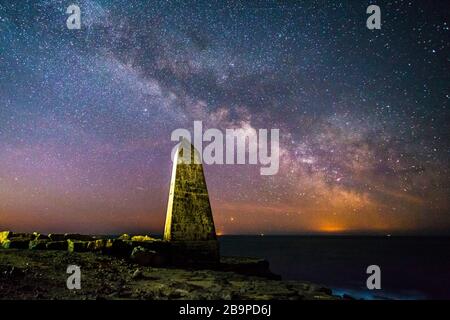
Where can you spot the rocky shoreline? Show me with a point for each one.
(33, 266)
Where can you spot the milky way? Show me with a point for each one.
(86, 115)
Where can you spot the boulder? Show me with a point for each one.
(38, 244)
(125, 237)
(156, 245)
(118, 247)
(147, 257)
(137, 274)
(77, 246)
(96, 245)
(57, 245)
(202, 253)
(79, 237)
(56, 237)
(38, 236)
(16, 243)
(22, 235)
(8, 235)
(109, 243)
(247, 266)
(142, 238)
(5, 235)
(325, 290)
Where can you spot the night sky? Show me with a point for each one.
(86, 115)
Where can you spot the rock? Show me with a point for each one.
(77, 246)
(38, 244)
(38, 296)
(117, 247)
(325, 290)
(5, 235)
(147, 257)
(56, 237)
(38, 236)
(57, 245)
(79, 237)
(156, 245)
(16, 243)
(16, 272)
(178, 294)
(137, 274)
(22, 235)
(203, 253)
(125, 237)
(109, 243)
(142, 238)
(34, 272)
(248, 266)
(96, 245)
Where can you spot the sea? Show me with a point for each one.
(413, 268)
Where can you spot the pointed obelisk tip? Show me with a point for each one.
(187, 153)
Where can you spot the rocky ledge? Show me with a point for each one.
(133, 268)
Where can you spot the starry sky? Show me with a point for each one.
(86, 115)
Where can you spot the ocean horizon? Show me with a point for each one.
(412, 267)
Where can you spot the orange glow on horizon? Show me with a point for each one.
(331, 228)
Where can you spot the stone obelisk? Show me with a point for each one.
(189, 221)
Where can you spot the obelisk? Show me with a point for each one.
(189, 220)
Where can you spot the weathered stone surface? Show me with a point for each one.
(189, 216)
(96, 245)
(57, 245)
(137, 274)
(125, 237)
(109, 243)
(248, 266)
(186, 253)
(16, 243)
(79, 237)
(141, 238)
(5, 235)
(56, 237)
(77, 246)
(38, 236)
(147, 257)
(156, 245)
(118, 247)
(22, 235)
(110, 278)
(10, 240)
(38, 244)
(189, 221)
(124, 248)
